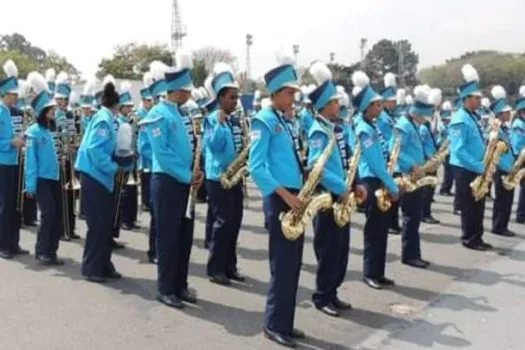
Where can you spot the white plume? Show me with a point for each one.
(401, 96)
(62, 78)
(311, 88)
(147, 79)
(409, 100)
(257, 94)
(297, 96)
(304, 89)
(266, 103)
(435, 97)
(184, 60)
(195, 94)
(285, 55)
(109, 79)
(158, 69)
(422, 93)
(125, 86)
(446, 106)
(221, 67)
(89, 88)
(320, 72)
(340, 89)
(485, 102)
(10, 69)
(360, 80)
(51, 74)
(37, 82)
(208, 86)
(73, 98)
(344, 99)
(522, 91)
(469, 73)
(23, 89)
(498, 92)
(390, 80)
(191, 105)
(203, 93)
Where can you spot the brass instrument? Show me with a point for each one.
(515, 176)
(192, 198)
(495, 148)
(383, 199)
(343, 211)
(293, 223)
(28, 118)
(62, 149)
(238, 169)
(119, 185)
(412, 182)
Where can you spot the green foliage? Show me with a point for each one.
(23, 62)
(210, 55)
(131, 61)
(494, 68)
(199, 72)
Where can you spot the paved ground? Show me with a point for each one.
(56, 309)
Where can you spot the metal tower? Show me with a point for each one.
(178, 30)
(249, 43)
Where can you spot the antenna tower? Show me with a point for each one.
(178, 30)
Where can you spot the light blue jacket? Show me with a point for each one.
(8, 153)
(306, 119)
(41, 157)
(143, 145)
(507, 159)
(412, 153)
(517, 135)
(467, 143)
(386, 124)
(273, 161)
(429, 144)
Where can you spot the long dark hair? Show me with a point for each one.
(42, 119)
(110, 96)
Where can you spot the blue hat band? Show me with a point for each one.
(223, 80)
(520, 103)
(86, 101)
(500, 106)
(126, 99)
(51, 85)
(468, 89)
(63, 90)
(280, 77)
(445, 114)
(422, 109)
(389, 93)
(365, 97)
(158, 88)
(41, 101)
(179, 81)
(145, 94)
(321, 96)
(9, 86)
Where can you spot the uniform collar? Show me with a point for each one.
(326, 122)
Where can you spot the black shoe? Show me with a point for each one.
(417, 263)
(487, 245)
(386, 281)
(394, 231)
(135, 226)
(31, 223)
(49, 260)
(457, 212)
(220, 279)
(145, 208)
(236, 276)
(279, 338)
(65, 238)
(188, 297)
(430, 220)
(114, 275)
(373, 283)
(504, 233)
(328, 309)
(74, 236)
(153, 259)
(171, 301)
(127, 227)
(116, 245)
(5, 254)
(475, 246)
(20, 251)
(426, 262)
(95, 279)
(520, 221)
(341, 305)
(297, 334)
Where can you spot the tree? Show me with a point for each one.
(23, 62)
(384, 57)
(59, 63)
(199, 72)
(210, 55)
(17, 42)
(131, 61)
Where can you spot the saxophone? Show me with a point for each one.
(192, 198)
(495, 148)
(383, 201)
(293, 223)
(515, 176)
(413, 182)
(238, 169)
(343, 211)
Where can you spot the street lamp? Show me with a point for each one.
(296, 52)
(362, 46)
(249, 43)
(332, 57)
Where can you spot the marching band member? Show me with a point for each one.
(401, 103)
(144, 161)
(517, 138)
(373, 173)
(331, 242)
(448, 174)
(223, 140)
(467, 145)
(385, 124)
(411, 158)
(502, 207)
(98, 161)
(256, 102)
(42, 172)
(306, 115)
(430, 147)
(348, 124)
(129, 197)
(277, 171)
(11, 144)
(173, 155)
(65, 122)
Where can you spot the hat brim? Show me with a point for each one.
(292, 85)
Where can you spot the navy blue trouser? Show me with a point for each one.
(393, 213)
(227, 211)
(145, 181)
(331, 247)
(9, 218)
(99, 208)
(502, 207)
(472, 212)
(375, 233)
(129, 204)
(448, 177)
(427, 196)
(152, 234)
(30, 210)
(116, 219)
(520, 214)
(49, 197)
(209, 225)
(411, 209)
(70, 219)
(285, 266)
(174, 233)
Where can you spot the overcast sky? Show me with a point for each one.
(86, 31)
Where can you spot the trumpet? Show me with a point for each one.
(383, 199)
(513, 179)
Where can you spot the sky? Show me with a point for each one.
(86, 31)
